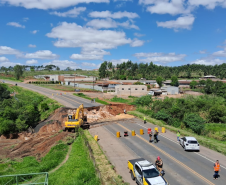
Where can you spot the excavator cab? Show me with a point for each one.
(75, 120)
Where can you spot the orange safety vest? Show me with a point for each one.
(217, 167)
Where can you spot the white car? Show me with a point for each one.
(189, 143)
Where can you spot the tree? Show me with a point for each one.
(202, 82)
(174, 81)
(159, 81)
(193, 84)
(57, 68)
(194, 122)
(102, 70)
(18, 70)
(189, 73)
(4, 93)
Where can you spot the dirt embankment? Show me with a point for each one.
(47, 133)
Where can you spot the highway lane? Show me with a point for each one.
(67, 99)
(182, 168)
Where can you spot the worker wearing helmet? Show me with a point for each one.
(159, 164)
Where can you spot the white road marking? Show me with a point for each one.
(178, 143)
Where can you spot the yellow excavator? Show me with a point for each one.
(75, 120)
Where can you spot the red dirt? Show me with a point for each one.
(48, 133)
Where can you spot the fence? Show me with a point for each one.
(21, 179)
(98, 88)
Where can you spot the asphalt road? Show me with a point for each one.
(67, 99)
(182, 168)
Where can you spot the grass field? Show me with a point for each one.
(88, 98)
(30, 165)
(214, 144)
(78, 169)
(122, 100)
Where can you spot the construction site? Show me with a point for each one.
(38, 141)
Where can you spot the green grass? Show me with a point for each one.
(78, 170)
(10, 78)
(219, 146)
(216, 131)
(66, 88)
(122, 100)
(88, 98)
(30, 165)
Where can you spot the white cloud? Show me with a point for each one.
(109, 23)
(42, 54)
(31, 46)
(4, 50)
(73, 35)
(34, 32)
(32, 61)
(202, 51)
(49, 4)
(136, 43)
(70, 13)
(90, 55)
(172, 7)
(4, 59)
(139, 35)
(209, 4)
(184, 22)
(116, 15)
(89, 64)
(7, 64)
(15, 24)
(159, 57)
(25, 19)
(221, 53)
(63, 64)
(209, 61)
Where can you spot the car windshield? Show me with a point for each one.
(150, 173)
(192, 142)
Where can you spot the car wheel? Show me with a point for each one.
(132, 176)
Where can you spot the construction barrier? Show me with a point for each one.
(163, 130)
(156, 128)
(149, 130)
(118, 134)
(96, 137)
(133, 133)
(141, 131)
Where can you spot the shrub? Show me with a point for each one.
(143, 101)
(194, 122)
(162, 115)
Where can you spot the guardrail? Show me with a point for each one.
(21, 179)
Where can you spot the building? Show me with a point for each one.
(209, 77)
(170, 90)
(130, 90)
(149, 82)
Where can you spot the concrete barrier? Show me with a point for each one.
(141, 131)
(118, 134)
(96, 137)
(133, 133)
(163, 130)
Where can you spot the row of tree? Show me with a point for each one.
(129, 70)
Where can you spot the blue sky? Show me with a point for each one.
(84, 33)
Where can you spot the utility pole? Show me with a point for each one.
(93, 83)
(74, 81)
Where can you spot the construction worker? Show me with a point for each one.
(156, 136)
(150, 136)
(178, 135)
(144, 120)
(216, 168)
(159, 164)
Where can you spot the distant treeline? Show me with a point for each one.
(135, 71)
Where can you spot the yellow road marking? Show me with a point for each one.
(182, 164)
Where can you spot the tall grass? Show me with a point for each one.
(30, 165)
(78, 170)
(88, 98)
